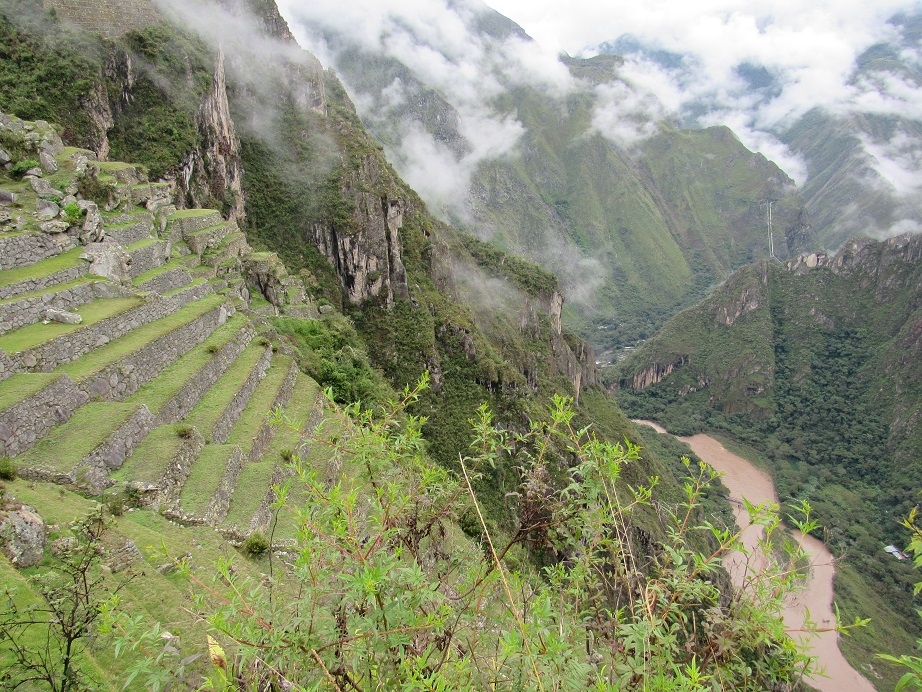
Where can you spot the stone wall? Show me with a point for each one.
(167, 281)
(148, 257)
(23, 424)
(30, 310)
(220, 501)
(7, 366)
(94, 470)
(69, 347)
(263, 438)
(180, 405)
(122, 379)
(181, 225)
(43, 282)
(225, 424)
(178, 470)
(107, 17)
(25, 250)
(132, 233)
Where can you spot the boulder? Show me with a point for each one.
(22, 536)
(7, 197)
(54, 227)
(108, 260)
(93, 230)
(43, 188)
(46, 210)
(4, 158)
(49, 165)
(62, 316)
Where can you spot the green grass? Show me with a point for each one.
(252, 486)
(20, 387)
(172, 379)
(205, 478)
(190, 213)
(66, 445)
(152, 457)
(54, 289)
(210, 407)
(141, 244)
(176, 263)
(35, 334)
(159, 598)
(46, 267)
(260, 404)
(290, 438)
(104, 356)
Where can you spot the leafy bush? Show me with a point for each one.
(256, 544)
(8, 469)
(72, 214)
(389, 593)
(20, 167)
(185, 431)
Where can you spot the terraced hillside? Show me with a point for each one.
(133, 355)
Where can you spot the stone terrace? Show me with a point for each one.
(128, 358)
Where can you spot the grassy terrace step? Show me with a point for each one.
(87, 366)
(185, 221)
(209, 409)
(20, 387)
(151, 274)
(172, 379)
(57, 288)
(162, 598)
(131, 232)
(151, 458)
(304, 412)
(64, 267)
(255, 476)
(94, 312)
(201, 240)
(65, 446)
(205, 479)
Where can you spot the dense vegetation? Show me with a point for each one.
(383, 591)
(808, 382)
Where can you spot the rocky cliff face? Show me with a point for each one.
(214, 170)
(366, 250)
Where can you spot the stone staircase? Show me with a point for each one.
(128, 359)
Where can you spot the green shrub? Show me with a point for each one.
(8, 471)
(256, 544)
(185, 431)
(72, 214)
(19, 169)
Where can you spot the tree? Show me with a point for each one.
(43, 641)
(384, 590)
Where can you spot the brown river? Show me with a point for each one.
(745, 480)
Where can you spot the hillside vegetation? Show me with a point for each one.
(813, 366)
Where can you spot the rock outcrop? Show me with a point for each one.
(22, 535)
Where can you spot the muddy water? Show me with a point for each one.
(744, 480)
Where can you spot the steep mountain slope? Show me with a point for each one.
(813, 363)
(636, 217)
(399, 292)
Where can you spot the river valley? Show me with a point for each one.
(744, 480)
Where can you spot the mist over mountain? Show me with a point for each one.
(852, 143)
(573, 162)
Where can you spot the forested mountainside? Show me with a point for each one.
(814, 363)
(638, 217)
